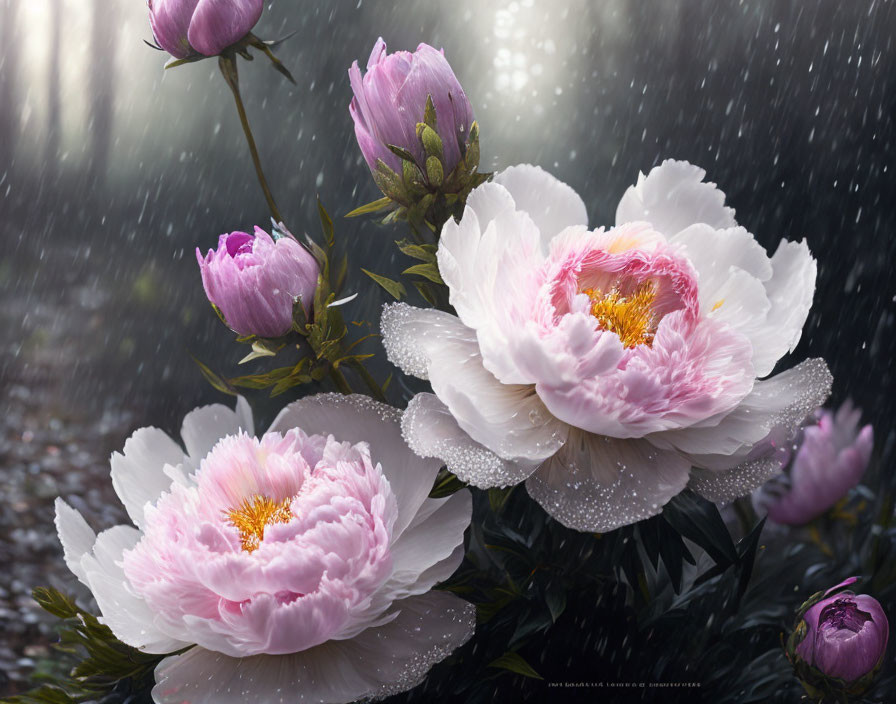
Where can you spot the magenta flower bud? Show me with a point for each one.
(255, 280)
(844, 637)
(830, 460)
(390, 100)
(185, 27)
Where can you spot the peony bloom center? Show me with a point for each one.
(252, 517)
(629, 315)
(273, 532)
(843, 617)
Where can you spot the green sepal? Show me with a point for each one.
(389, 182)
(434, 171)
(432, 143)
(372, 207)
(471, 151)
(401, 153)
(429, 113)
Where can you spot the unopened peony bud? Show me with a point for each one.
(255, 280)
(831, 459)
(187, 27)
(415, 128)
(390, 100)
(839, 642)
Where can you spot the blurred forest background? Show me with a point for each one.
(112, 171)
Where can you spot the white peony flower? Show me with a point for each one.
(608, 369)
(299, 566)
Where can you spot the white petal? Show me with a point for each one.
(790, 292)
(129, 617)
(714, 252)
(428, 552)
(488, 201)
(138, 474)
(410, 334)
(429, 541)
(778, 404)
(203, 427)
(723, 486)
(508, 419)
(672, 197)
(431, 431)
(244, 415)
(596, 483)
(493, 274)
(552, 204)
(357, 419)
(377, 663)
(76, 536)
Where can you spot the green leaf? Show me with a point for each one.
(47, 694)
(427, 271)
(445, 485)
(327, 224)
(373, 207)
(423, 288)
(514, 662)
(216, 381)
(423, 252)
(746, 548)
(699, 520)
(555, 598)
(395, 288)
(55, 602)
(497, 498)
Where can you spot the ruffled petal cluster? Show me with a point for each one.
(608, 369)
(300, 561)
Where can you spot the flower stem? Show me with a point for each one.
(340, 381)
(228, 67)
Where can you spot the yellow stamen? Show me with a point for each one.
(251, 518)
(718, 304)
(631, 317)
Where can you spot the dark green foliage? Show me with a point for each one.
(102, 667)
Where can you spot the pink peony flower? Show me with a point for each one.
(602, 366)
(830, 460)
(391, 97)
(186, 27)
(255, 280)
(302, 561)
